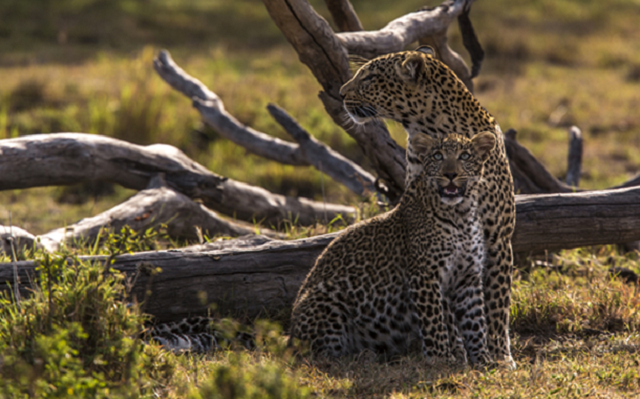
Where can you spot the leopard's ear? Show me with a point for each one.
(411, 67)
(356, 62)
(483, 143)
(427, 50)
(422, 143)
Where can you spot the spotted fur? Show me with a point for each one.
(195, 335)
(410, 278)
(426, 97)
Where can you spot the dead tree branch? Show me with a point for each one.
(401, 32)
(574, 158)
(529, 175)
(249, 275)
(323, 158)
(157, 205)
(71, 158)
(344, 15)
(214, 114)
(320, 49)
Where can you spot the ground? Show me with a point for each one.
(549, 64)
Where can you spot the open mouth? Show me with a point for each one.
(451, 191)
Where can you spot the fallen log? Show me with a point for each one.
(151, 208)
(250, 275)
(72, 158)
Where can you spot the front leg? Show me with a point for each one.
(467, 305)
(427, 302)
(497, 210)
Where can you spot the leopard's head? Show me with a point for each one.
(397, 86)
(452, 166)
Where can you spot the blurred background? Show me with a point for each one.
(86, 66)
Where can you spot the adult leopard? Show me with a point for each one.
(425, 96)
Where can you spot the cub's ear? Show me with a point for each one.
(483, 143)
(422, 143)
(411, 67)
(427, 50)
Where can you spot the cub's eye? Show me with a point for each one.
(464, 156)
(437, 156)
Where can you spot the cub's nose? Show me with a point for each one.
(450, 176)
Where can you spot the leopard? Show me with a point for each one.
(198, 334)
(425, 96)
(409, 279)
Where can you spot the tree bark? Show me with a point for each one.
(574, 158)
(401, 32)
(325, 159)
(71, 158)
(250, 275)
(320, 49)
(344, 15)
(157, 205)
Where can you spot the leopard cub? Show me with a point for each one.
(410, 278)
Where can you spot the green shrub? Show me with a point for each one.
(76, 336)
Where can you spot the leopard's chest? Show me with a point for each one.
(465, 251)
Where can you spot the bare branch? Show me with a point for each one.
(214, 114)
(313, 153)
(324, 158)
(344, 15)
(527, 164)
(71, 158)
(320, 49)
(403, 31)
(574, 160)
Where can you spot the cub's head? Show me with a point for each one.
(453, 165)
(394, 85)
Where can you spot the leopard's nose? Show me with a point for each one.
(450, 176)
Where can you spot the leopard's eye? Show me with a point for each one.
(464, 156)
(437, 156)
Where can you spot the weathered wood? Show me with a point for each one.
(308, 151)
(323, 53)
(571, 220)
(251, 275)
(16, 240)
(344, 15)
(530, 176)
(401, 32)
(574, 158)
(325, 159)
(71, 158)
(245, 276)
(157, 205)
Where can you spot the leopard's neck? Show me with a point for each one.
(439, 110)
